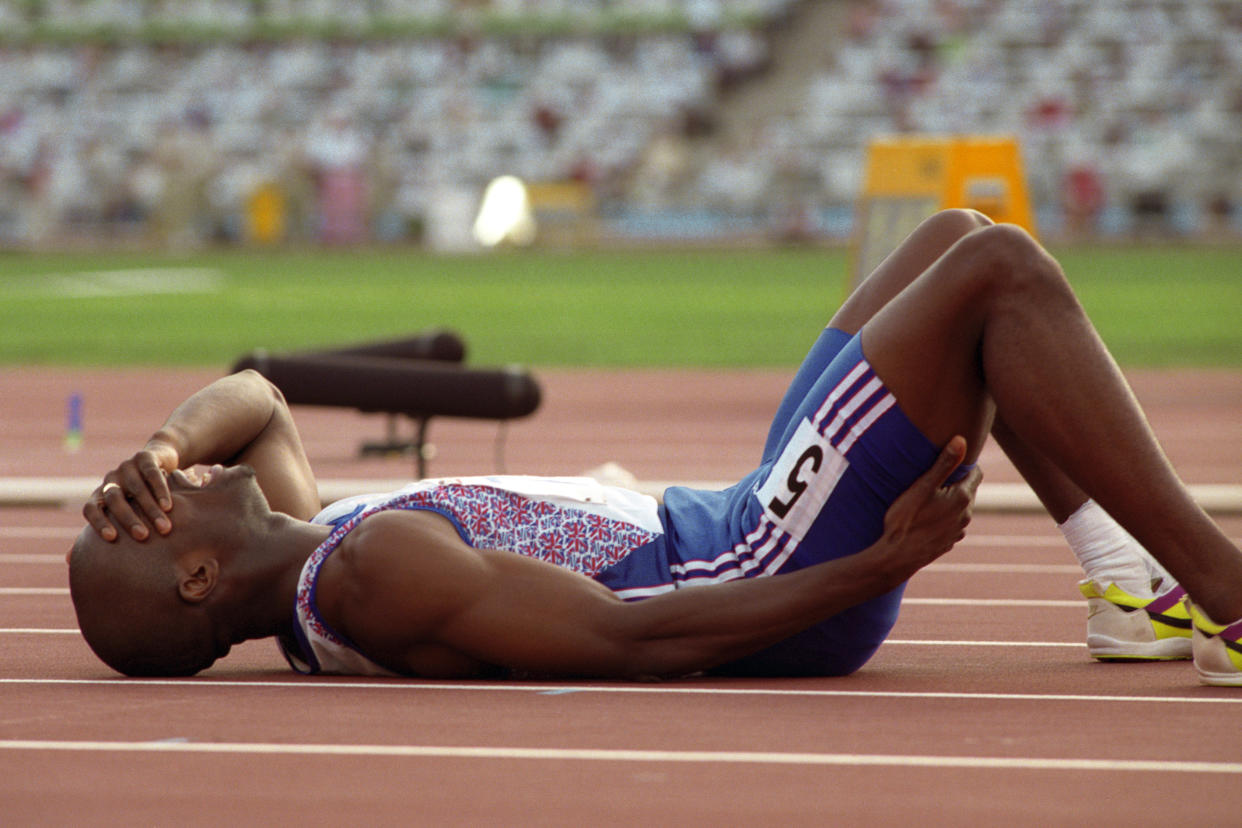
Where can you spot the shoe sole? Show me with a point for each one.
(1103, 648)
(1220, 679)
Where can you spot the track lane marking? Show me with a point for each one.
(34, 590)
(40, 532)
(919, 642)
(547, 689)
(645, 756)
(1042, 541)
(928, 602)
(39, 631)
(940, 642)
(1005, 568)
(37, 532)
(1015, 603)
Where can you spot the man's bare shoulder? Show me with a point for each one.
(395, 550)
(393, 580)
(396, 531)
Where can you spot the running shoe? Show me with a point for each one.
(1217, 650)
(1123, 627)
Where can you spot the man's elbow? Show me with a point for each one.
(261, 384)
(261, 388)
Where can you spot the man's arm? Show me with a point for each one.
(241, 418)
(407, 586)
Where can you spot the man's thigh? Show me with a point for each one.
(847, 452)
(816, 362)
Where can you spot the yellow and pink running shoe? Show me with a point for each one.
(1217, 650)
(1124, 627)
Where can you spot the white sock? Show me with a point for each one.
(1109, 555)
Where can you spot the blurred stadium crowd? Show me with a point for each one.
(344, 121)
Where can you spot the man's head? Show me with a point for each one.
(158, 607)
(132, 611)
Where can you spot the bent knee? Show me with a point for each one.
(1006, 255)
(963, 217)
(1002, 240)
(955, 223)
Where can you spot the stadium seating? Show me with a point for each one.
(165, 118)
(1141, 95)
(174, 135)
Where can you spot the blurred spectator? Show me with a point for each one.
(186, 155)
(427, 114)
(1084, 199)
(1220, 214)
(1122, 109)
(337, 155)
(21, 174)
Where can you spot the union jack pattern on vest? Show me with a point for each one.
(493, 518)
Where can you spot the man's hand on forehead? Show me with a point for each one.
(135, 496)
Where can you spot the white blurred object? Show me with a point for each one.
(505, 215)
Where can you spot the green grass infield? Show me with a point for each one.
(1154, 305)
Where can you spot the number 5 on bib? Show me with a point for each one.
(801, 480)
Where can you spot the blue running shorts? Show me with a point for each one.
(839, 452)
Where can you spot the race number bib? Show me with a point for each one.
(801, 481)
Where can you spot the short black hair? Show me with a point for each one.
(130, 613)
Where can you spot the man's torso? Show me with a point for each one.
(575, 523)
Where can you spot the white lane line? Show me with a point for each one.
(34, 590)
(648, 756)
(965, 568)
(1014, 540)
(31, 558)
(36, 631)
(930, 602)
(296, 682)
(1005, 568)
(927, 642)
(40, 532)
(993, 602)
(69, 533)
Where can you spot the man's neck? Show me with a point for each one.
(268, 574)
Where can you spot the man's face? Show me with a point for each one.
(129, 585)
(213, 498)
(235, 480)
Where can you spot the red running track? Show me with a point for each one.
(984, 708)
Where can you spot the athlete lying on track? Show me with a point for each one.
(867, 476)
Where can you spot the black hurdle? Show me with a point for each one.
(439, 345)
(419, 378)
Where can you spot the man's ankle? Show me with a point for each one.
(1224, 607)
